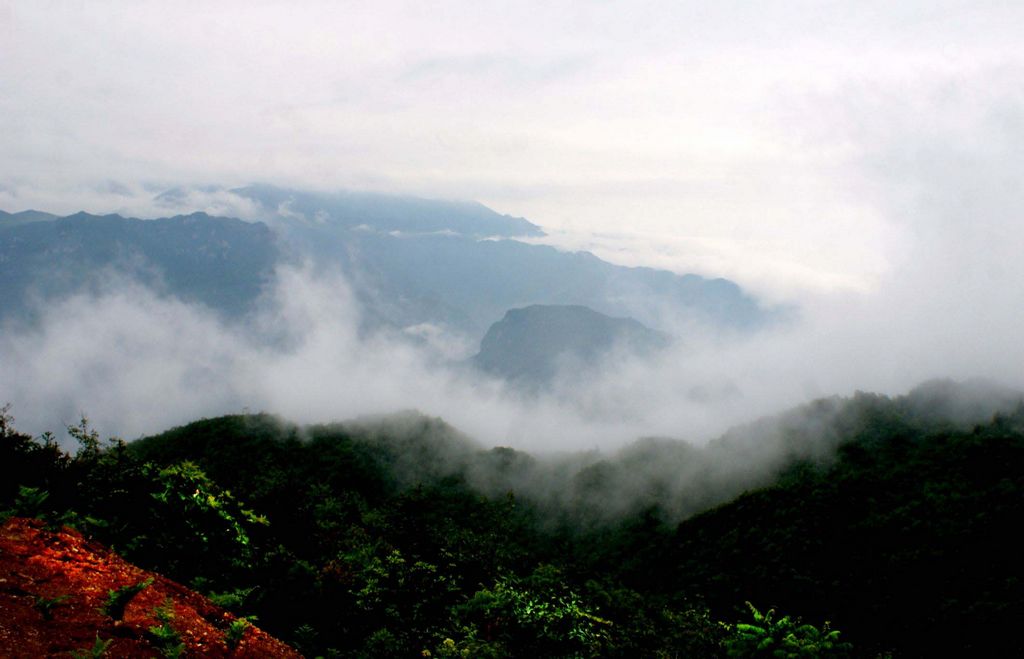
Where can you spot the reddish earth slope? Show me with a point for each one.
(54, 584)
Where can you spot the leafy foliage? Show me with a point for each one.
(165, 637)
(387, 541)
(98, 649)
(783, 637)
(535, 616)
(235, 632)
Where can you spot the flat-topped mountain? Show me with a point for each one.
(530, 346)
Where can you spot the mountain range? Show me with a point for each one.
(411, 262)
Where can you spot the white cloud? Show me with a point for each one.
(660, 118)
(864, 158)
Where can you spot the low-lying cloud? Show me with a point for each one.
(940, 165)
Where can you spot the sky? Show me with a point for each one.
(757, 141)
(861, 161)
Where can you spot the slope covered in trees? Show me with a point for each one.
(892, 519)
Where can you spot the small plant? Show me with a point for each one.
(305, 638)
(46, 605)
(232, 599)
(98, 649)
(29, 502)
(782, 638)
(236, 630)
(165, 637)
(118, 599)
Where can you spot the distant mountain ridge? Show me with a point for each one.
(220, 262)
(381, 212)
(409, 261)
(24, 217)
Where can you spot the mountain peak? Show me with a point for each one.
(531, 345)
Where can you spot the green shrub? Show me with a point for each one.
(781, 638)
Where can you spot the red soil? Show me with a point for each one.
(38, 566)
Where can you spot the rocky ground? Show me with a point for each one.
(55, 588)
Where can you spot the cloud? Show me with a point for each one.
(863, 159)
(945, 307)
(658, 118)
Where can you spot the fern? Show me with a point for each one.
(236, 630)
(118, 599)
(98, 649)
(165, 637)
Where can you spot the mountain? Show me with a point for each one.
(467, 284)
(24, 217)
(461, 265)
(387, 213)
(409, 261)
(393, 535)
(219, 262)
(530, 346)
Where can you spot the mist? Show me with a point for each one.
(868, 178)
(135, 362)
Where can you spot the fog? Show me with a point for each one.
(737, 141)
(138, 363)
(869, 176)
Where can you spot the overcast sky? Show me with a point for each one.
(862, 159)
(797, 147)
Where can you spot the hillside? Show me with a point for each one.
(894, 519)
(61, 594)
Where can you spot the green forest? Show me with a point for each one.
(866, 526)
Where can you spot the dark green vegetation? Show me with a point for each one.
(891, 519)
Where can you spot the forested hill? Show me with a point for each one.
(893, 519)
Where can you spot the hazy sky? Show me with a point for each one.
(778, 143)
(862, 159)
